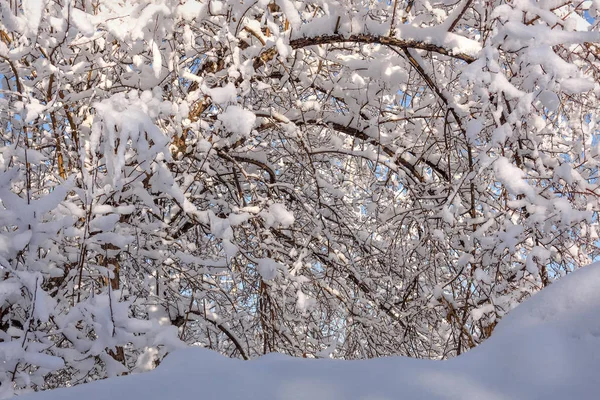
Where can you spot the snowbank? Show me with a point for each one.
(549, 347)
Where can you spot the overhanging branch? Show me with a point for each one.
(383, 40)
(270, 53)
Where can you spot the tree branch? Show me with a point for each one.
(383, 40)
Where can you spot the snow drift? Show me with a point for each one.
(549, 347)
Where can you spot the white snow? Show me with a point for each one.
(82, 21)
(278, 215)
(291, 13)
(237, 120)
(577, 85)
(34, 109)
(435, 35)
(20, 240)
(33, 14)
(190, 9)
(512, 178)
(547, 348)
(156, 60)
(225, 94)
(550, 100)
(304, 303)
(267, 268)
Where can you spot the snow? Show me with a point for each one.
(82, 21)
(577, 85)
(43, 360)
(20, 240)
(225, 94)
(435, 35)
(33, 13)
(190, 9)
(290, 12)
(364, 112)
(34, 109)
(305, 303)
(278, 215)
(237, 120)
(267, 268)
(512, 178)
(547, 348)
(550, 100)
(156, 60)
(105, 223)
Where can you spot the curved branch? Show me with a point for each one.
(226, 331)
(383, 40)
(270, 53)
(386, 149)
(363, 136)
(260, 164)
(234, 158)
(357, 133)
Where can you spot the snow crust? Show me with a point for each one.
(547, 348)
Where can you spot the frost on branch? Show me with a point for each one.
(373, 178)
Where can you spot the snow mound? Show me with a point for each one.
(549, 347)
